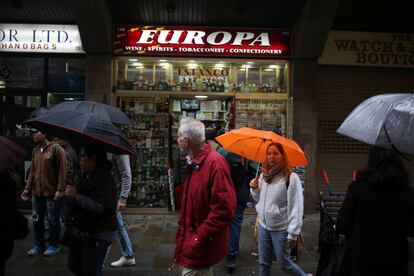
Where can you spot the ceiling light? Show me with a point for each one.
(164, 64)
(250, 62)
(136, 64)
(269, 70)
(162, 60)
(133, 59)
(191, 61)
(201, 97)
(274, 66)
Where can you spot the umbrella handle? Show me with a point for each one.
(325, 177)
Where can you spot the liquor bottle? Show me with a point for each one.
(242, 88)
(150, 85)
(174, 85)
(199, 85)
(221, 85)
(184, 85)
(208, 85)
(160, 85)
(253, 88)
(140, 82)
(145, 85)
(213, 85)
(193, 84)
(204, 84)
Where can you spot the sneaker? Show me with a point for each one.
(51, 251)
(231, 266)
(123, 261)
(35, 250)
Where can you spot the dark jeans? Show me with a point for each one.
(235, 229)
(86, 258)
(46, 206)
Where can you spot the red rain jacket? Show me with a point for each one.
(208, 206)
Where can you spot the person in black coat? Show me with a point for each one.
(377, 217)
(91, 222)
(14, 224)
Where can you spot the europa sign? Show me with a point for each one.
(40, 38)
(182, 41)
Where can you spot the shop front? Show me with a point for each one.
(228, 78)
(40, 65)
(353, 67)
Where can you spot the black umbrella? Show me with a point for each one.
(81, 128)
(103, 111)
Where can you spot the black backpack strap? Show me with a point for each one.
(288, 182)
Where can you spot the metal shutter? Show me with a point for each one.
(340, 90)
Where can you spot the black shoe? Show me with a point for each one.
(231, 267)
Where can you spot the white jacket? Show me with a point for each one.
(278, 208)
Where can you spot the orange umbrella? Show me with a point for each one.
(252, 144)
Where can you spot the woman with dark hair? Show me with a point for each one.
(91, 223)
(280, 211)
(377, 216)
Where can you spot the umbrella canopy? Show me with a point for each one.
(103, 111)
(252, 144)
(83, 128)
(10, 153)
(385, 120)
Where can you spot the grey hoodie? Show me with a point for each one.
(278, 208)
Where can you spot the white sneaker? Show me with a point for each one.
(123, 262)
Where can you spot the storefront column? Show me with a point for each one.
(305, 122)
(98, 74)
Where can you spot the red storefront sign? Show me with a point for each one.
(204, 41)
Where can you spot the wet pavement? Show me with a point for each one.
(153, 238)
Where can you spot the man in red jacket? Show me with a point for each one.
(208, 203)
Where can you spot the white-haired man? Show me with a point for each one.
(208, 203)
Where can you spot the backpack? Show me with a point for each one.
(240, 175)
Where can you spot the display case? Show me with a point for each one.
(149, 134)
(202, 75)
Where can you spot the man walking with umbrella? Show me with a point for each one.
(46, 182)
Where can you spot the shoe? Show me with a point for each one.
(123, 261)
(231, 266)
(35, 250)
(51, 251)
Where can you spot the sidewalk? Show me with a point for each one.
(153, 237)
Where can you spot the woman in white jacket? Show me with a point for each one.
(280, 211)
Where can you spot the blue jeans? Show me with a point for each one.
(126, 246)
(46, 206)
(235, 229)
(275, 242)
(88, 256)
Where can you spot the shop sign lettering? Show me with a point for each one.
(205, 41)
(369, 49)
(209, 72)
(40, 38)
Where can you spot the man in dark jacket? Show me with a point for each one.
(208, 203)
(241, 176)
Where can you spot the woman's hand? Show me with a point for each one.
(291, 243)
(71, 192)
(254, 184)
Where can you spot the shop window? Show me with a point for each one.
(66, 74)
(147, 74)
(21, 73)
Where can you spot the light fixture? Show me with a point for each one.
(250, 62)
(69, 99)
(274, 66)
(191, 61)
(201, 97)
(163, 64)
(269, 69)
(136, 64)
(162, 60)
(219, 65)
(133, 59)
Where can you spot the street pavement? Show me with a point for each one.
(153, 238)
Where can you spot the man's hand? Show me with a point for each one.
(121, 206)
(25, 195)
(59, 195)
(292, 243)
(71, 192)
